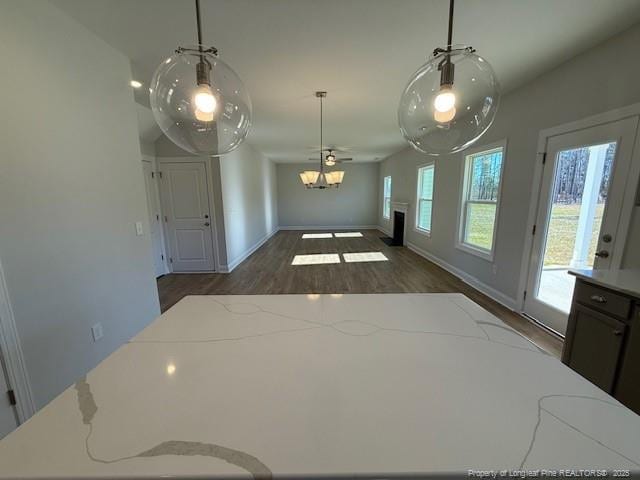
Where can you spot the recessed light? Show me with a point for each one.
(135, 84)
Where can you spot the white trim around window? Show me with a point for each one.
(416, 220)
(386, 198)
(465, 184)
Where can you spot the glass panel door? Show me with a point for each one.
(580, 187)
(581, 197)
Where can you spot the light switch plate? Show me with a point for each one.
(139, 230)
(96, 332)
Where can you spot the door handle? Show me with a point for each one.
(206, 224)
(602, 254)
(617, 333)
(598, 298)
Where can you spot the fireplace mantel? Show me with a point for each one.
(400, 207)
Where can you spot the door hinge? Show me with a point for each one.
(157, 217)
(153, 175)
(533, 230)
(161, 256)
(12, 397)
(524, 297)
(544, 158)
(166, 220)
(170, 260)
(160, 174)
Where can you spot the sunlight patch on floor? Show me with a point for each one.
(316, 259)
(364, 257)
(317, 235)
(348, 234)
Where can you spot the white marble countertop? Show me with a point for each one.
(627, 281)
(322, 385)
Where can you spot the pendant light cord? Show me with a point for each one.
(321, 162)
(450, 34)
(199, 27)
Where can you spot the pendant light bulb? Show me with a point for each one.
(205, 103)
(204, 99)
(445, 100)
(444, 117)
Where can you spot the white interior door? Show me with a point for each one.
(155, 225)
(8, 418)
(578, 216)
(185, 203)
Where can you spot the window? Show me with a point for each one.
(424, 203)
(480, 196)
(386, 203)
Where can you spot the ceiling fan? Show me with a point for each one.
(330, 159)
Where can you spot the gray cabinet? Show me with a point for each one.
(603, 341)
(628, 386)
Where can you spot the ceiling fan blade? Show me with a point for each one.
(340, 160)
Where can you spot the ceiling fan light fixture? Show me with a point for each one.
(199, 102)
(314, 179)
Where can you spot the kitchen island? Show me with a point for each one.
(284, 386)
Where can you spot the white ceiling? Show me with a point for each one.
(361, 51)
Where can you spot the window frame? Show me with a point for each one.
(384, 198)
(463, 200)
(416, 228)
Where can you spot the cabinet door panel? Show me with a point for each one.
(596, 345)
(628, 386)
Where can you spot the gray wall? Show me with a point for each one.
(353, 204)
(604, 78)
(147, 148)
(248, 181)
(71, 190)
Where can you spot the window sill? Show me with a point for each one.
(426, 233)
(484, 254)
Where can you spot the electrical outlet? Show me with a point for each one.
(139, 230)
(96, 332)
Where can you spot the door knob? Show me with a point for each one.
(206, 224)
(606, 238)
(602, 254)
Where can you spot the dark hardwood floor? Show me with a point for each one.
(269, 271)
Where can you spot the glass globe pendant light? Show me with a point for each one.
(450, 101)
(198, 101)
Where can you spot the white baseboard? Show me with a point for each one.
(491, 292)
(329, 227)
(231, 266)
(385, 231)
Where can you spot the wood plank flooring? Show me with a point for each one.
(269, 271)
